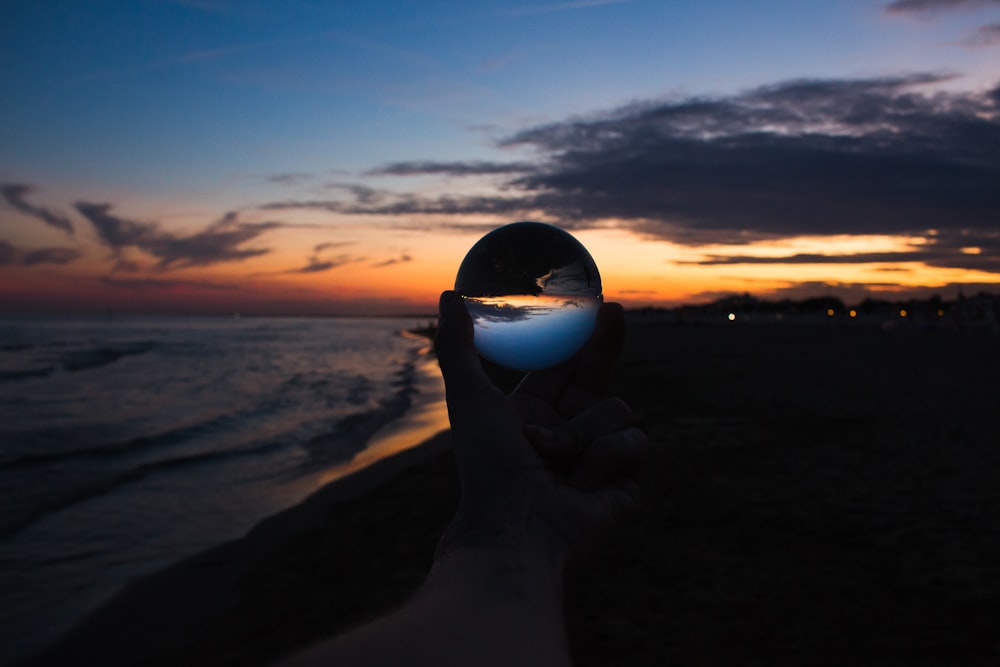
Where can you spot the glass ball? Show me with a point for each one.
(533, 292)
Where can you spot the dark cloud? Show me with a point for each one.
(126, 266)
(8, 253)
(115, 232)
(915, 6)
(222, 241)
(420, 168)
(317, 264)
(957, 250)
(944, 259)
(15, 193)
(362, 194)
(388, 204)
(11, 254)
(805, 157)
(208, 247)
(393, 260)
(332, 244)
(291, 178)
(154, 284)
(50, 256)
(361, 198)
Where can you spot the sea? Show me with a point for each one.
(129, 443)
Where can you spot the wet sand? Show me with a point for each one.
(816, 495)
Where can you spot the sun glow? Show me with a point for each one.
(315, 261)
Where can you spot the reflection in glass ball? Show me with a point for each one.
(533, 292)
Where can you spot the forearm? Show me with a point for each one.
(495, 603)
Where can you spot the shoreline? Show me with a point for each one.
(156, 617)
(809, 492)
(405, 441)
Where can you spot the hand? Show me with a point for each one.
(553, 463)
(542, 470)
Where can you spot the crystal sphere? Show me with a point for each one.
(533, 292)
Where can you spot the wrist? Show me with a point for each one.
(508, 584)
(510, 539)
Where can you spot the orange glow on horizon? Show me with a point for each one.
(313, 266)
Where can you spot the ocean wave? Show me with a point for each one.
(339, 444)
(27, 373)
(15, 347)
(118, 448)
(80, 360)
(352, 434)
(66, 496)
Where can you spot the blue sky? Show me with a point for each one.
(205, 91)
(180, 109)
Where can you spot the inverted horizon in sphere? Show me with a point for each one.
(533, 292)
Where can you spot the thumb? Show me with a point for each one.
(454, 344)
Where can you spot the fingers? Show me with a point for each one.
(598, 360)
(456, 351)
(576, 384)
(600, 356)
(609, 457)
(567, 440)
(617, 498)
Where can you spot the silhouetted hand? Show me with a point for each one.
(543, 470)
(553, 463)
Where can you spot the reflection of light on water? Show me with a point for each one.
(427, 416)
(531, 332)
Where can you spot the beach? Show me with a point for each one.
(815, 494)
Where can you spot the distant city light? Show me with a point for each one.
(732, 317)
(902, 312)
(940, 312)
(829, 312)
(853, 313)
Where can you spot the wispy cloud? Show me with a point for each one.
(289, 178)
(15, 193)
(319, 261)
(561, 7)
(984, 36)
(222, 241)
(11, 254)
(164, 284)
(402, 259)
(945, 251)
(428, 167)
(926, 6)
(987, 35)
(889, 155)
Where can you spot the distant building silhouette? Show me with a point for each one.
(978, 313)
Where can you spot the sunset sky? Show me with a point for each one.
(315, 157)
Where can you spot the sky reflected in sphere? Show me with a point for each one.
(533, 292)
